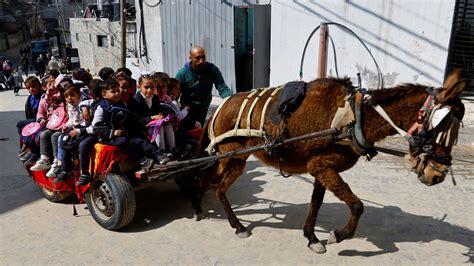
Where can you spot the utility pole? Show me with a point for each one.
(323, 54)
(123, 33)
(62, 27)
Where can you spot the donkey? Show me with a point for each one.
(325, 158)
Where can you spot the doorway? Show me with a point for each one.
(252, 25)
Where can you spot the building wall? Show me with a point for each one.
(409, 39)
(207, 23)
(149, 39)
(84, 34)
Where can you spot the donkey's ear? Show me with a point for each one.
(449, 93)
(452, 78)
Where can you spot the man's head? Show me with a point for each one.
(197, 56)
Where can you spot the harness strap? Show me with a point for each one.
(249, 115)
(246, 132)
(385, 116)
(211, 126)
(360, 144)
(242, 107)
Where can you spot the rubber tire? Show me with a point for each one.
(121, 195)
(55, 196)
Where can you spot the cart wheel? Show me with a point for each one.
(111, 201)
(55, 195)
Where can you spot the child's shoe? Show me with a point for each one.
(53, 171)
(63, 176)
(163, 159)
(33, 158)
(146, 164)
(41, 165)
(83, 180)
(25, 156)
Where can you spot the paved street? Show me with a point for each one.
(405, 222)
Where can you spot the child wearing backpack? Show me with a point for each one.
(51, 114)
(29, 150)
(73, 97)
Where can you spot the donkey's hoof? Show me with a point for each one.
(243, 234)
(317, 248)
(199, 216)
(332, 237)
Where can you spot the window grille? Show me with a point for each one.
(461, 45)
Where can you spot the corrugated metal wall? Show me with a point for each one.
(208, 23)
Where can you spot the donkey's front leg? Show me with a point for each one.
(316, 201)
(333, 182)
(229, 170)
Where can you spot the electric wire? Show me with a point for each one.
(334, 55)
(380, 82)
(153, 5)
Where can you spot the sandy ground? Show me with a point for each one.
(404, 221)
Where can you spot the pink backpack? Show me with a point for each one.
(57, 118)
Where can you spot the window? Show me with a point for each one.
(77, 36)
(102, 40)
(461, 54)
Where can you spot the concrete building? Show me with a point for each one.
(97, 40)
(260, 43)
(411, 41)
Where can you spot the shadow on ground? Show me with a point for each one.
(383, 226)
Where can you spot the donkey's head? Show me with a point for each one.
(439, 121)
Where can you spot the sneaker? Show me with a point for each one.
(146, 164)
(63, 176)
(83, 180)
(53, 171)
(33, 158)
(25, 156)
(163, 159)
(41, 165)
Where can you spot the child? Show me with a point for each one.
(111, 124)
(52, 114)
(17, 80)
(125, 85)
(106, 73)
(72, 96)
(33, 85)
(81, 78)
(174, 93)
(161, 81)
(88, 108)
(147, 106)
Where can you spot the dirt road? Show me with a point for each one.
(404, 221)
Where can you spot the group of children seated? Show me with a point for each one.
(64, 114)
